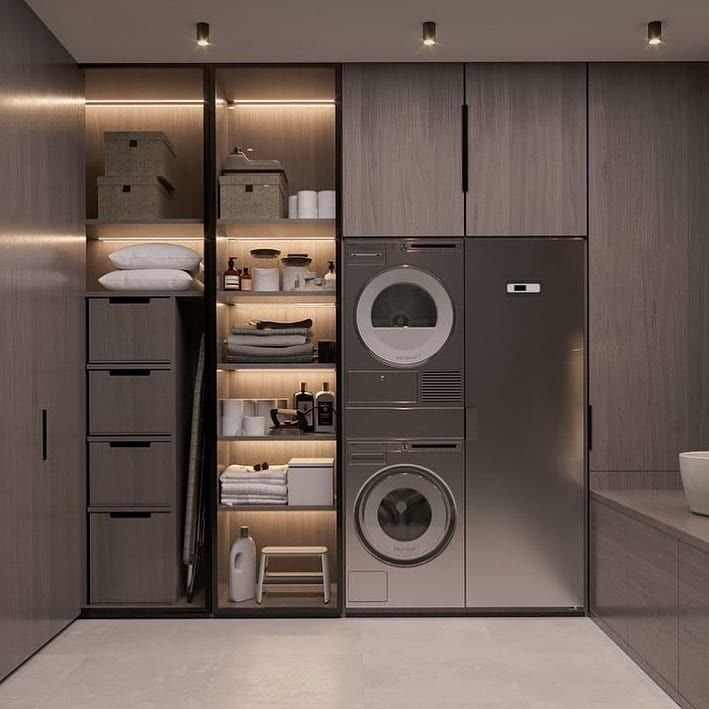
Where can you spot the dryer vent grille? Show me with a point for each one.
(441, 388)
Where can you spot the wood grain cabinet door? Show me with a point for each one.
(653, 591)
(694, 625)
(609, 567)
(402, 150)
(526, 149)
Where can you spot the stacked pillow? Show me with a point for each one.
(152, 267)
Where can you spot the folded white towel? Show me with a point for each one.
(237, 472)
(255, 489)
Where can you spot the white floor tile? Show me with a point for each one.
(356, 663)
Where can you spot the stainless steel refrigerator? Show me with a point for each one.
(525, 423)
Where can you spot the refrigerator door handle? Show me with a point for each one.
(472, 424)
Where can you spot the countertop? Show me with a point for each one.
(664, 509)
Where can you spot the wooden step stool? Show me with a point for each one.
(264, 576)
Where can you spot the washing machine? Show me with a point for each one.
(404, 525)
(403, 338)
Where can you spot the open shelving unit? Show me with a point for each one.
(303, 138)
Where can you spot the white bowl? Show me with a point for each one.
(694, 468)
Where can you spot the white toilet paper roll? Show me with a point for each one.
(307, 204)
(326, 204)
(232, 413)
(293, 206)
(265, 279)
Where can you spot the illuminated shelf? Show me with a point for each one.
(230, 297)
(283, 366)
(286, 437)
(279, 222)
(140, 229)
(276, 508)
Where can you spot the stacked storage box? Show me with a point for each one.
(138, 183)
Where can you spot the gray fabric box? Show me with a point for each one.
(133, 197)
(257, 195)
(139, 153)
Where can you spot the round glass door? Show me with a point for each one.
(405, 515)
(404, 316)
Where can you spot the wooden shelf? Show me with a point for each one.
(277, 222)
(294, 437)
(283, 366)
(276, 508)
(138, 229)
(286, 598)
(304, 296)
(191, 293)
(315, 229)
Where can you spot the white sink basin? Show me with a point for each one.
(694, 468)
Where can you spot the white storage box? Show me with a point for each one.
(139, 153)
(310, 482)
(133, 197)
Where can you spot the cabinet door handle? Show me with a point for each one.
(45, 444)
(131, 300)
(464, 137)
(130, 515)
(128, 372)
(129, 444)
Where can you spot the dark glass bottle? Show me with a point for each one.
(231, 276)
(304, 401)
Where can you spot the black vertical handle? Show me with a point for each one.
(44, 434)
(590, 427)
(464, 115)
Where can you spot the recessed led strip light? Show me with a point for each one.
(145, 102)
(285, 103)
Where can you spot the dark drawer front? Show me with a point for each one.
(382, 387)
(133, 557)
(131, 473)
(125, 329)
(131, 401)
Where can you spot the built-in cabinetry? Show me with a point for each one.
(42, 342)
(142, 350)
(649, 573)
(415, 137)
(287, 114)
(526, 149)
(401, 150)
(648, 305)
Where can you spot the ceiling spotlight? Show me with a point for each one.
(654, 33)
(429, 33)
(203, 34)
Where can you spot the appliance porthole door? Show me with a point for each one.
(405, 515)
(404, 316)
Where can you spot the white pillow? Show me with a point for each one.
(155, 256)
(147, 279)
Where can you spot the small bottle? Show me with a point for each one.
(330, 277)
(231, 276)
(325, 410)
(303, 401)
(246, 279)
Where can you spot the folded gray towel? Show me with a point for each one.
(291, 351)
(242, 359)
(269, 332)
(273, 341)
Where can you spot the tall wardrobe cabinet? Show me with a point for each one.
(41, 348)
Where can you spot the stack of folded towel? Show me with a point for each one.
(275, 342)
(242, 485)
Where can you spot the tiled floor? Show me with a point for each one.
(443, 663)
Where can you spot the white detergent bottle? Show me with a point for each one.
(242, 568)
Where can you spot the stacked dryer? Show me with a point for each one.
(403, 419)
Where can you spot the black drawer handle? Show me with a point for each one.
(128, 372)
(45, 438)
(132, 300)
(130, 515)
(130, 444)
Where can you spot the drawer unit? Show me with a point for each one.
(131, 473)
(131, 329)
(132, 557)
(128, 402)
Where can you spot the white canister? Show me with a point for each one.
(254, 426)
(293, 206)
(326, 204)
(694, 469)
(307, 204)
(265, 279)
(294, 277)
(231, 415)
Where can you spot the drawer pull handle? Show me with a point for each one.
(130, 515)
(130, 444)
(128, 372)
(134, 300)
